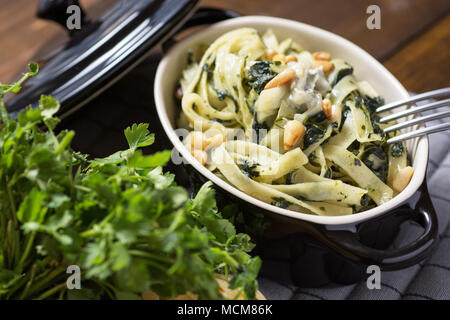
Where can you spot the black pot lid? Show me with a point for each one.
(102, 51)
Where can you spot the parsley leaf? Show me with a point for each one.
(139, 136)
(121, 219)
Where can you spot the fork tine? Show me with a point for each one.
(408, 112)
(427, 95)
(420, 132)
(401, 125)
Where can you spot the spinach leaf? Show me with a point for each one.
(372, 104)
(397, 149)
(259, 74)
(316, 118)
(313, 134)
(365, 200)
(345, 112)
(281, 203)
(248, 168)
(341, 74)
(375, 158)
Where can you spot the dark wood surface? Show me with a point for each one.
(423, 63)
(413, 41)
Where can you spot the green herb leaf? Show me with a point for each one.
(123, 220)
(31, 209)
(139, 136)
(49, 106)
(151, 161)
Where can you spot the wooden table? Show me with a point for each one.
(413, 43)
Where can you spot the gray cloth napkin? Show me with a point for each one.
(429, 280)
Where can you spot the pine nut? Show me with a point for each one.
(200, 155)
(322, 55)
(327, 66)
(290, 59)
(282, 78)
(198, 140)
(327, 108)
(270, 53)
(331, 111)
(293, 132)
(336, 114)
(402, 178)
(215, 140)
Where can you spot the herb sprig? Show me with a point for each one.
(127, 225)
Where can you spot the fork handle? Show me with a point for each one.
(426, 95)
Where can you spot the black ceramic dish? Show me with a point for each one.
(317, 254)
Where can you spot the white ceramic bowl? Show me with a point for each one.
(313, 39)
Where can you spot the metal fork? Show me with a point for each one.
(416, 110)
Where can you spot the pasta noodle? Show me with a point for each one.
(289, 127)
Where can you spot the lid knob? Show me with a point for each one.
(67, 13)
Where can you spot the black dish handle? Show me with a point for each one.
(347, 240)
(202, 16)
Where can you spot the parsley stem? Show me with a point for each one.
(44, 273)
(17, 85)
(16, 251)
(11, 202)
(149, 262)
(52, 291)
(45, 281)
(11, 242)
(146, 254)
(27, 249)
(3, 220)
(3, 113)
(108, 288)
(96, 230)
(65, 142)
(89, 233)
(83, 188)
(29, 282)
(17, 286)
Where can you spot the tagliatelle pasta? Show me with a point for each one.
(291, 128)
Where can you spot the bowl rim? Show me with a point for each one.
(421, 144)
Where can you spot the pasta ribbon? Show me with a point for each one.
(248, 96)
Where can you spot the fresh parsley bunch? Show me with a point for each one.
(123, 221)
